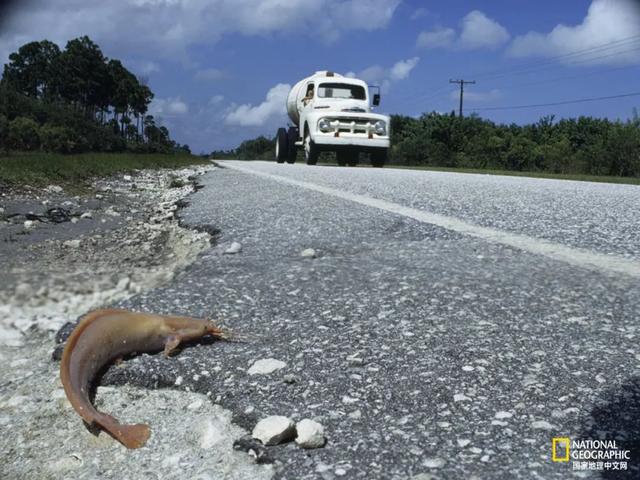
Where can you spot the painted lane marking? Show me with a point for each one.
(574, 256)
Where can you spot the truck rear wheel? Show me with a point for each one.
(379, 157)
(292, 151)
(310, 150)
(282, 145)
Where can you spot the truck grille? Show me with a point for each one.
(351, 125)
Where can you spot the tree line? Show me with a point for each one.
(76, 100)
(580, 146)
(584, 145)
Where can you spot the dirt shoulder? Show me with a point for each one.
(62, 256)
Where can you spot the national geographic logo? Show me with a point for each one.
(560, 449)
(585, 454)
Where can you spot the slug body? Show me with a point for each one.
(103, 336)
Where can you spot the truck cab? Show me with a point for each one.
(334, 113)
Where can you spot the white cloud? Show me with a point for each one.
(254, 116)
(480, 31)
(216, 99)
(477, 31)
(209, 74)
(168, 107)
(402, 69)
(384, 77)
(167, 27)
(144, 67)
(473, 96)
(606, 21)
(419, 13)
(438, 38)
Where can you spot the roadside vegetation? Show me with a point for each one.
(76, 100)
(69, 115)
(76, 171)
(582, 146)
(585, 148)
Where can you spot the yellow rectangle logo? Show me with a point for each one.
(560, 441)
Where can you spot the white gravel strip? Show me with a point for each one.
(574, 256)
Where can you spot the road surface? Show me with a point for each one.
(450, 325)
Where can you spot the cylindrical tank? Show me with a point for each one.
(297, 93)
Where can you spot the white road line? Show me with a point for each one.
(574, 256)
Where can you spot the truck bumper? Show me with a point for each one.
(345, 141)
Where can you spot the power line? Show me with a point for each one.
(570, 77)
(571, 63)
(566, 102)
(553, 60)
(545, 65)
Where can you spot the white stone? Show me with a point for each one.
(23, 291)
(463, 442)
(72, 243)
(210, 433)
(434, 462)
(266, 366)
(54, 189)
(234, 248)
(501, 415)
(127, 178)
(542, 425)
(86, 215)
(29, 224)
(340, 472)
(310, 434)
(274, 430)
(467, 368)
(460, 397)
(308, 253)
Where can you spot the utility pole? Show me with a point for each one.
(462, 82)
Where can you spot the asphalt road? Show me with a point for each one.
(451, 324)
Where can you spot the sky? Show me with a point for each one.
(221, 69)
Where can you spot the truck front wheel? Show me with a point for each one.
(282, 145)
(310, 150)
(379, 157)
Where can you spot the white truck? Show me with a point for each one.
(330, 112)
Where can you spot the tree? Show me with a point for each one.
(32, 69)
(84, 78)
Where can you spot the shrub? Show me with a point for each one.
(23, 134)
(4, 132)
(58, 139)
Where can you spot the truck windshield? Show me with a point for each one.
(341, 90)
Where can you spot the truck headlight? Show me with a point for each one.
(380, 127)
(324, 125)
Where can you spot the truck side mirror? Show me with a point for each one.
(376, 99)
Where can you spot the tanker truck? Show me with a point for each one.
(330, 112)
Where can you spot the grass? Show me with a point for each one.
(512, 173)
(75, 171)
